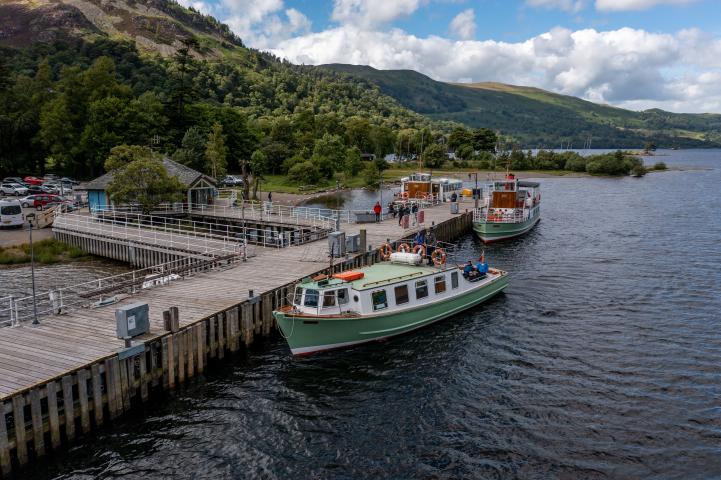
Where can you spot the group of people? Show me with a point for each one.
(398, 211)
(427, 238)
(477, 271)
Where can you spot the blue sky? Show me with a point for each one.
(632, 53)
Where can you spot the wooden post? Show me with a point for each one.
(167, 321)
(37, 417)
(257, 324)
(200, 344)
(180, 344)
(175, 315)
(124, 384)
(82, 377)
(189, 351)
(97, 394)
(212, 345)
(112, 385)
(53, 417)
(363, 240)
(143, 375)
(5, 465)
(246, 322)
(222, 323)
(154, 368)
(167, 352)
(21, 447)
(68, 407)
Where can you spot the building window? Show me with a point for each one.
(298, 298)
(329, 298)
(311, 298)
(343, 296)
(380, 300)
(421, 289)
(440, 282)
(454, 280)
(401, 293)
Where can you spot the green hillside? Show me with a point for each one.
(537, 118)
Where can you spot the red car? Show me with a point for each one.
(41, 202)
(33, 180)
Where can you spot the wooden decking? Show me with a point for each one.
(32, 355)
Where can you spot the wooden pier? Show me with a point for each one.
(71, 374)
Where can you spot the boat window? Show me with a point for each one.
(440, 284)
(454, 279)
(421, 289)
(329, 298)
(380, 300)
(311, 298)
(298, 298)
(401, 293)
(343, 296)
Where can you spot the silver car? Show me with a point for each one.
(13, 189)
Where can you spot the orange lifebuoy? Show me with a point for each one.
(438, 256)
(403, 248)
(420, 249)
(404, 195)
(385, 250)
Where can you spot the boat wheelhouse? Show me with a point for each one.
(508, 208)
(380, 301)
(423, 186)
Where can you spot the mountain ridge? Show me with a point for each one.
(525, 112)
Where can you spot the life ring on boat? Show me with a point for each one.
(438, 256)
(404, 195)
(403, 248)
(385, 250)
(420, 249)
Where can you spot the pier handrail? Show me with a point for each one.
(15, 310)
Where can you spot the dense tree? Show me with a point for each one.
(259, 167)
(215, 153)
(122, 155)
(434, 156)
(146, 183)
(192, 149)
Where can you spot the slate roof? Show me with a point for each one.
(186, 175)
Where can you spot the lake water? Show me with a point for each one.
(601, 360)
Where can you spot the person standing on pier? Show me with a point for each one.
(377, 209)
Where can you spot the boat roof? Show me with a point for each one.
(528, 184)
(378, 275)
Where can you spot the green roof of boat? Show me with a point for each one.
(524, 183)
(379, 275)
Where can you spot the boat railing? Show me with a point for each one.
(483, 215)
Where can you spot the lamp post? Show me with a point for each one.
(31, 217)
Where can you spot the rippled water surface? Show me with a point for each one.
(601, 360)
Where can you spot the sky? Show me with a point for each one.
(635, 54)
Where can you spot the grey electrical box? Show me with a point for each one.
(352, 243)
(132, 320)
(336, 244)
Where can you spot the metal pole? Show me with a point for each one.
(32, 273)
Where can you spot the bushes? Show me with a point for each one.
(659, 166)
(576, 163)
(45, 251)
(611, 164)
(304, 173)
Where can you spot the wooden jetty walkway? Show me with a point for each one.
(71, 373)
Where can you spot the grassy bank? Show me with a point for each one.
(281, 183)
(46, 252)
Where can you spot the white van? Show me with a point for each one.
(11, 214)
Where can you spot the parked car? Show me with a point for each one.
(14, 180)
(41, 202)
(232, 181)
(11, 214)
(30, 180)
(13, 189)
(41, 189)
(70, 181)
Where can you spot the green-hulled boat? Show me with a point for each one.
(380, 301)
(509, 208)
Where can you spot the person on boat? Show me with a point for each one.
(420, 238)
(482, 266)
(377, 209)
(431, 243)
(468, 269)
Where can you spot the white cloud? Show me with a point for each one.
(463, 25)
(621, 5)
(625, 67)
(259, 24)
(202, 7)
(573, 6)
(372, 13)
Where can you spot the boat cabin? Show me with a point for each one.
(423, 186)
(509, 200)
(379, 289)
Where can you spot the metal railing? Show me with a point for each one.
(125, 228)
(102, 291)
(483, 215)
